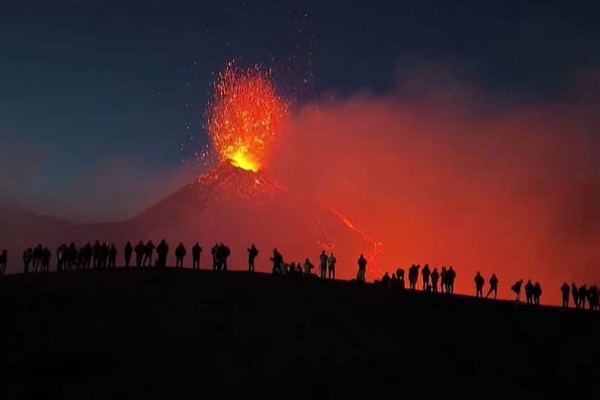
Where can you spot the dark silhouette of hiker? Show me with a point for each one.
(444, 280)
(529, 292)
(400, 275)
(140, 251)
(112, 257)
(537, 293)
(224, 255)
(308, 267)
(61, 255)
(277, 260)
(594, 297)
(128, 251)
(493, 287)
(426, 273)
(582, 293)
(196, 252)
(27, 257)
(413, 276)
(479, 282)
(291, 268)
(393, 280)
(517, 289)
(450, 277)
(180, 253)
(323, 264)
(331, 261)
(71, 256)
(38, 254)
(214, 251)
(252, 253)
(565, 289)
(575, 294)
(46, 255)
(3, 262)
(362, 269)
(161, 251)
(435, 277)
(386, 279)
(148, 254)
(86, 255)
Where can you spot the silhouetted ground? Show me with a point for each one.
(177, 334)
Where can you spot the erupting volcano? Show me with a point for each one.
(245, 115)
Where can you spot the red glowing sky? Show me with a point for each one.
(511, 191)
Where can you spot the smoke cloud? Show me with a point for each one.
(446, 176)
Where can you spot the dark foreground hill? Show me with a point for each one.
(176, 334)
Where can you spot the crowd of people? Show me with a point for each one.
(102, 255)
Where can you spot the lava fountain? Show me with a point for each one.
(245, 116)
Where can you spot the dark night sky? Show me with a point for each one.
(90, 89)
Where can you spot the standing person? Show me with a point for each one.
(331, 260)
(362, 269)
(493, 286)
(252, 253)
(128, 251)
(323, 264)
(196, 252)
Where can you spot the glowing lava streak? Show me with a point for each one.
(245, 115)
(377, 246)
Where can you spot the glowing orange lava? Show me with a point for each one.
(245, 115)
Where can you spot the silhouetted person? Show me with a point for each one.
(180, 253)
(594, 297)
(61, 255)
(537, 293)
(517, 289)
(27, 257)
(413, 276)
(435, 277)
(582, 293)
(225, 252)
(386, 279)
(331, 261)
(140, 254)
(252, 253)
(565, 289)
(323, 264)
(196, 252)
(308, 267)
(112, 256)
(46, 255)
(214, 251)
(161, 251)
(450, 277)
(149, 253)
(444, 280)
(128, 251)
(362, 269)
(426, 273)
(575, 294)
(400, 276)
(529, 292)
(277, 259)
(3, 262)
(493, 287)
(479, 282)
